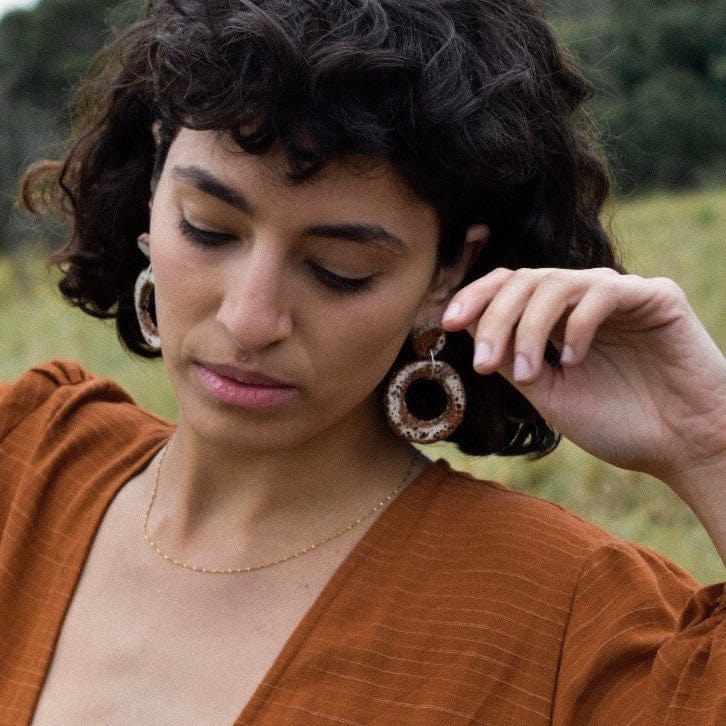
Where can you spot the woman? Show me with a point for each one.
(317, 185)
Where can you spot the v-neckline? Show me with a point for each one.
(327, 594)
(308, 621)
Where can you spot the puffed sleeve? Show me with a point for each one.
(19, 398)
(19, 429)
(644, 645)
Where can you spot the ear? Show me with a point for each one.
(448, 279)
(156, 132)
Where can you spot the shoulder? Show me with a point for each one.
(533, 544)
(19, 398)
(484, 508)
(49, 386)
(489, 574)
(55, 393)
(65, 430)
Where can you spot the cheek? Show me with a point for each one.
(358, 348)
(182, 284)
(184, 291)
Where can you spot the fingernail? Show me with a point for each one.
(483, 353)
(568, 355)
(452, 312)
(522, 369)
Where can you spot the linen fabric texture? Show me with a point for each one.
(464, 603)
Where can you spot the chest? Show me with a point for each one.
(146, 642)
(157, 666)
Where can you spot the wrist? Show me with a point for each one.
(703, 488)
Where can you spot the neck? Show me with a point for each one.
(223, 506)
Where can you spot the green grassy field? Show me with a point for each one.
(682, 237)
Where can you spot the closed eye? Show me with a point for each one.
(331, 280)
(338, 282)
(204, 237)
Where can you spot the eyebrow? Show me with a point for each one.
(352, 231)
(209, 184)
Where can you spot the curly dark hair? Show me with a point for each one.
(473, 101)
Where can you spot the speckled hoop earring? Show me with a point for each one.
(143, 292)
(427, 342)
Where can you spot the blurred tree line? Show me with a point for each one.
(44, 50)
(658, 67)
(659, 72)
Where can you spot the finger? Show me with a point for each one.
(535, 389)
(469, 303)
(545, 315)
(497, 324)
(555, 294)
(629, 295)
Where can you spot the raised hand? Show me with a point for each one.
(641, 384)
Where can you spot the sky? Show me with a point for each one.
(6, 5)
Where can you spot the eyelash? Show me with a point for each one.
(339, 283)
(203, 237)
(327, 278)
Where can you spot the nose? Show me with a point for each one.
(255, 308)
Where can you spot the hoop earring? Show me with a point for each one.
(143, 292)
(427, 342)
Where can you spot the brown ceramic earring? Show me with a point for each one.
(427, 342)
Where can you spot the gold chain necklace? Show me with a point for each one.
(260, 566)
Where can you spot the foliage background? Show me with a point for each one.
(659, 72)
(658, 68)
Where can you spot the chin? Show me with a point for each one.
(231, 431)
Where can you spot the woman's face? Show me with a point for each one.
(282, 306)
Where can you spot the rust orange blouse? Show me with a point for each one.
(465, 603)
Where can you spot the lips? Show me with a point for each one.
(247, 377)
(244, 387)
